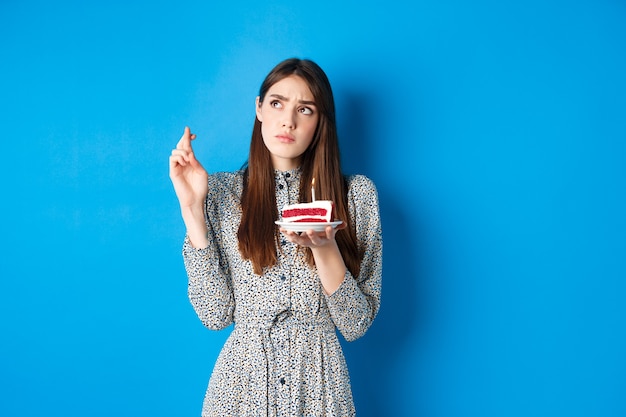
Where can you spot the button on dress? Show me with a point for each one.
(283, 356)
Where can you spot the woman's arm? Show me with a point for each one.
(210, 282)
(209, 289)
(355, 304)
(331, 268)
(353, 301)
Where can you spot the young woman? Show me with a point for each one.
(286, 292)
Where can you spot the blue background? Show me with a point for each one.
(495, 132)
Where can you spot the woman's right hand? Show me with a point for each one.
(191, 183)
(189, 178)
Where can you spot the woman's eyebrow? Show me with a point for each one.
(280, 97)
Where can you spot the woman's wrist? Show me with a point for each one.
(331, 267)
(194, 220)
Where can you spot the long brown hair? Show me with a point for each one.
(258, 235)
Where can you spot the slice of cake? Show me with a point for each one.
(321, 211)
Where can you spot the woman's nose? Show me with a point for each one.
(289, 120)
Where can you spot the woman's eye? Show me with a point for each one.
(306, 111)
(276, 104)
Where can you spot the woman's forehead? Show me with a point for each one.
(292, 87)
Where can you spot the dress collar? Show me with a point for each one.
(290, 175)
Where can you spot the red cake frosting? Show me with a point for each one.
(321, 211)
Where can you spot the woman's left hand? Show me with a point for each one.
(311, 238)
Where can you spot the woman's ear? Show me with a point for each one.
(259, 116)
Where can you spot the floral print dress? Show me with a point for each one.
(283, 356)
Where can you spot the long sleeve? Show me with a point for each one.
(209, 288)
(210, 284)
(354, 305)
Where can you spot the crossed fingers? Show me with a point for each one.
(181, 154)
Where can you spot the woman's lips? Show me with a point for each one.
(285, 138)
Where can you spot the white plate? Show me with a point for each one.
(303, 227)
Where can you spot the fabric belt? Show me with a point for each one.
(285, 318)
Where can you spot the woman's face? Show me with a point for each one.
(288, 117)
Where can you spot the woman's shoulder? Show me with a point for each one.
(359, 183)
(362, 198)
(226, 176)
(226, 182)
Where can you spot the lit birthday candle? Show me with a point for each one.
(313, 189)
